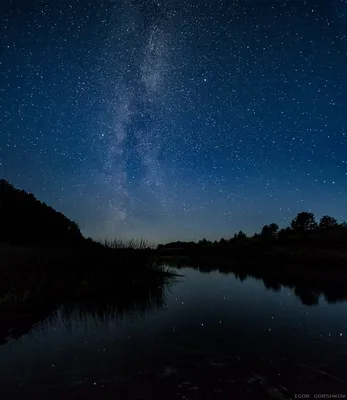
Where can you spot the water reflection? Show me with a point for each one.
(101, 301)
(309, 286)
(215, 335)
(110, 304)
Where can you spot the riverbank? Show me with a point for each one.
(36, 281)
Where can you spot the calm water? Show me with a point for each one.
(212, 337)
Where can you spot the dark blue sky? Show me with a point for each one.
(176, 119)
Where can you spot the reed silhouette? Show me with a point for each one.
(46, 263)
(103, 300)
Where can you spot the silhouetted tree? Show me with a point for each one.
(307, 296)
(304, 222)
(272, 283)
(274, 228)
(204, 242)
(241, 236)
(269, 231)
(265, 231)
(284, 233)
(327, 222)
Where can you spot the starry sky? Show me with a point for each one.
(178, 119)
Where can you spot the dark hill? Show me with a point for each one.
(26, 221)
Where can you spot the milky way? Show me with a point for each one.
(176, 119)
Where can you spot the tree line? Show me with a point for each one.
(24, 220)
(303, 229)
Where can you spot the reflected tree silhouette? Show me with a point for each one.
(272, 284)
(308, 297)
(309, 291)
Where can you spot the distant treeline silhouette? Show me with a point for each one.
(24, 220)
(303, 233)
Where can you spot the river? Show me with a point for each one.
(210, 336)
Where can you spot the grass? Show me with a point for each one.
(29, 272)
(109, 275)
(112, 280)
(134, 244)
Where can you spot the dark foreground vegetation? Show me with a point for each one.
(101, 296)
(46, 264)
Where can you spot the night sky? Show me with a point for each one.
(177, 119)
